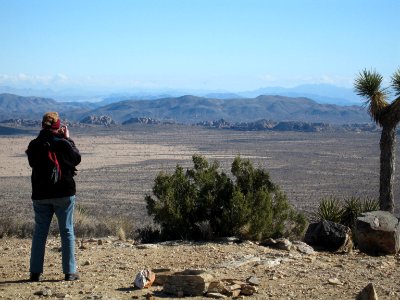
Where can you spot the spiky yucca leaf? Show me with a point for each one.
(376, 104)
(329, 209)
(370, 205)
(396, 82)
(368, 85)
(352, 208)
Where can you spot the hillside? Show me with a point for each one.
(14, 106)
(189, 109)
(192, 109)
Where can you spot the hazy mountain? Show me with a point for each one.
(13, 106)
(321, 93)
(223, 96)
(192, 109)
(188, 109)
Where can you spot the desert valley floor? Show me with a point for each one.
(119, 165)
(117, 170)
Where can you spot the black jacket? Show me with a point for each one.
(68, 157)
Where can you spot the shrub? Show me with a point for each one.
(205, 203)
(344, 212)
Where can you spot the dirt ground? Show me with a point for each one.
(108, 270)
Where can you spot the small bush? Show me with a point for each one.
(205, 203)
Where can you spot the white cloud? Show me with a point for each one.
(27, 80)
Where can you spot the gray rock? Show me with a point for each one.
(216, 296)
(253, 280)
(378, 233)
(146, 246)
(283, 244)
(247, 259)
(367, 293)
(303, 248)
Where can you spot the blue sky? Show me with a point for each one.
(230, 45)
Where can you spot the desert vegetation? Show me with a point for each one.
(344, 211)
(205, 203)
(369, 85)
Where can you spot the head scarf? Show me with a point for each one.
(51, 120)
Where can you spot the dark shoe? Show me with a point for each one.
(35, 277)
(71, 277)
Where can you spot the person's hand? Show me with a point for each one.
(64, 131)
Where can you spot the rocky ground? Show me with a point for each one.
(108, 267)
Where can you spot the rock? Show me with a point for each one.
(270, 263)
(141, 120)
(144, 279)
(283, 244)
(334, 281)
(367, 293)
(87, 263)
(248, 289)
(253, 280)
(45, 293)
(100, 242)
(62, 295)
(146, 246)
(216, 296)
(189, 282)
(378, 233)
(303, 248)
(233, 293)
(149, 296)
(247, 259)
(161, 275)
(328, 235)
(229, 240)
(98, 120)
(216, 287)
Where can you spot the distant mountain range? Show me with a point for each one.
(321, 93)
(188, 109)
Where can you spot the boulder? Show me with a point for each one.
(328, 235)
(161, 275)
(187, 283)
(378, 233)
(367, 293)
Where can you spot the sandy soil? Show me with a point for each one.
(108, 270)
(97, 153)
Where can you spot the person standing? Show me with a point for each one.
(53, 193)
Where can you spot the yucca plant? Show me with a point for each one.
(329, 209)
(352, 208)
(368, 84)
(370, 205)
(396, 82)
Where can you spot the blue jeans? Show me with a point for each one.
(44, 211)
